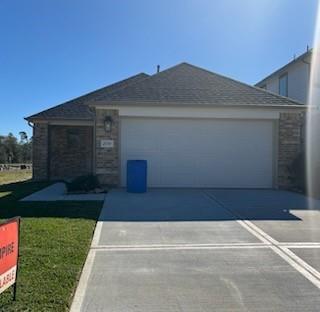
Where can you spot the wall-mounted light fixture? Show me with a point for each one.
(108, 124)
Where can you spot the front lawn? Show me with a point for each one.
(10, 176)
(55, 238)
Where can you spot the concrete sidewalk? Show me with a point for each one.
(196, 250)
(58, 191)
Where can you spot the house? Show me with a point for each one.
(291, 80)
(194, 127)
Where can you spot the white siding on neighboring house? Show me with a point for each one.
(298, 79)
(273, 85)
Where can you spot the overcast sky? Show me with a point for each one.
(53, 51)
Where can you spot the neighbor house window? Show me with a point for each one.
(264, 87)
(283, 85)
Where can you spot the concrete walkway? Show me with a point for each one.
(203, 250)
(58, 191)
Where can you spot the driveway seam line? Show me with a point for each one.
(285, 250)
(290, 257)
(185, 245)
(180, 247)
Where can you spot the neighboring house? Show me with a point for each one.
(194, 127)
(291, 80)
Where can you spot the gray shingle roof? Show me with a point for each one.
(188, 84)
(182, 84)
(78, 108)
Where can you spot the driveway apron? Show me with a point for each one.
(202, 250)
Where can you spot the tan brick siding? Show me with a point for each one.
(65, 162)
(107, 159)
(290, 145)
(67, 159)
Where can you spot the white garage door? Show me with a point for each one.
(200, 152)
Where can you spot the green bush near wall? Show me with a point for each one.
(83, 184)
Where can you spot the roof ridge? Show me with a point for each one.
(146, 78)
(105, 87)
(130, 84)
(79, 98)
(167, 69)
(108, 86)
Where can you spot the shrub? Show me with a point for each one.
(83, 184)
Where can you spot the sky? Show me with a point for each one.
(53, 51)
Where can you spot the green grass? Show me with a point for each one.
(55, 238)
(14, 176)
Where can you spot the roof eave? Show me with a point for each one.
(52, 119)
(283, 68)
(102, 104)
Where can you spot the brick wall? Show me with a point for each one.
(40, 151)
(71, 151)
(290, 145)
(107, 159)
(71, 162)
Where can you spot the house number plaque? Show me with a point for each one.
(106, 143)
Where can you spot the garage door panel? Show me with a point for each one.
(200, 153)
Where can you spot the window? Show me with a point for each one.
(283, 85)
(264, 87)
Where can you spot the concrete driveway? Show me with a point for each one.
(203, 250)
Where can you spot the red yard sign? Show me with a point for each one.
(9, 251)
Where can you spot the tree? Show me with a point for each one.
(12, 151)
(23, 137)
(25, 151)
(3, 152)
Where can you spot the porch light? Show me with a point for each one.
(108, 124)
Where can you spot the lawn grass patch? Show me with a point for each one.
(10, 176)
(55, 238)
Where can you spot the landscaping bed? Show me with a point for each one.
(88, 184)
(55, 239)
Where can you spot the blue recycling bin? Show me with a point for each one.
(136, 176)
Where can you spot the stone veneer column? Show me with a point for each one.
(290, 145)
(107, 159)
(40, 152)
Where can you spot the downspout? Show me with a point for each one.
(49, 154)
(48, 148)
(30, 124)
(92, 111)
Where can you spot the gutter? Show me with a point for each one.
(30, 124)
(107, 104)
